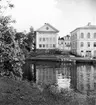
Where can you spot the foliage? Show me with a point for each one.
(11, 56)
(29, 41)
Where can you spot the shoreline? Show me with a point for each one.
(61, 58)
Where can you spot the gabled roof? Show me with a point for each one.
(89, 26)
(47, 28)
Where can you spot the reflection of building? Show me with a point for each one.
(63, 77)
(86, 78)
(83, 40)
(46, 37)
(46, 75)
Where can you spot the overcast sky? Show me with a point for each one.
(65, 15)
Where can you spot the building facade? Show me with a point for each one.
(64, 43)
(83, 41)
(67, 45)
(61, 44)
(47, 37)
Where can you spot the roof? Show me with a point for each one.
(89, 26)
(61, 38)
(53, 29)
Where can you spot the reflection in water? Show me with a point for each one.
(81, 78)
(86, 79)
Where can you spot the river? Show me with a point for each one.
(79, 77)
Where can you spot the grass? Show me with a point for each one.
(14, 92)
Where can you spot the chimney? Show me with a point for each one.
(89, 23)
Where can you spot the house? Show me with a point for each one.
(46, 37)
(64, 43)
(83, 41)
(67, 45)
(61, 43)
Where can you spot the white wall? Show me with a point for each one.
(53, 36)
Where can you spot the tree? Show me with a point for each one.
(11, 56)
(30, 40)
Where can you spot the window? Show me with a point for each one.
(47, 39)
(47, 28)
(61, 42)
(43, 39)
(94, 44)
(40, 45)
(43, 45)
(50, 45)
(54, 45)
(40, 39)
(82, 44)
(88, 35)
(53, 39)
(46, 45)
(94, 35)
(82, 35)
(88, 43)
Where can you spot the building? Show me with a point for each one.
(67, 45)
(64, 43)
(83, 41)
(47, 37)
(61, 44)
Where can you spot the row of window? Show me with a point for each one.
(82, 36)
(47, 45)
(88, 35)
(47, 39)
(66, 43)
(88, 44)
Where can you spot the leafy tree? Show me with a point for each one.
(11, 56)
(30, 40)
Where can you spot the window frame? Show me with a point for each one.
(82, 34)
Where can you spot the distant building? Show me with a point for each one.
(47, 37)
(83, 40)
(67, 45)
(61, 44)
(64, 43)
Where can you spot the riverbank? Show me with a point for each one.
(62, 58)
(14, 92)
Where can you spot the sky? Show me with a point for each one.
(64, 15)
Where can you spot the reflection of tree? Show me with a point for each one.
(29, 70)
(73, 75)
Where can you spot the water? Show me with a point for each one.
(80, 78)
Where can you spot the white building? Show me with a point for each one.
(47, 37)
(61, 44)
(67, 45)
(64, 43)
(83, 41)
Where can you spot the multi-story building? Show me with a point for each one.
(64, 43)
(67, 45)
(61, 44)
(83, 41)
(47, 37)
